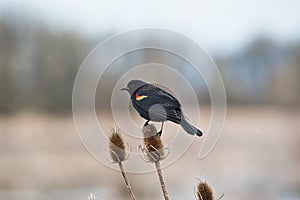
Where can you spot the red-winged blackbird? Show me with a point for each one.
(156, 104)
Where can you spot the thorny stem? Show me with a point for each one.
(126, 181)
(162, 183)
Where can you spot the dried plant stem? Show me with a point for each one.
(126, 181)
(162, 183)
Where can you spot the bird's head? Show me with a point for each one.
(133, 85)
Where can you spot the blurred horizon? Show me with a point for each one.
(39, 53)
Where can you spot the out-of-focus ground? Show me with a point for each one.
(257, 157)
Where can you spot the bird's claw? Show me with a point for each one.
(159, 133)
(146, 123)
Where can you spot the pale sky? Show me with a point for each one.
(215, 24)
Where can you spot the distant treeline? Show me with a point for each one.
(263, 72)
(38, 65)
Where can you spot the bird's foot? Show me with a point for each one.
(159, 133)
(146, 123)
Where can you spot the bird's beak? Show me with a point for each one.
(124, 88)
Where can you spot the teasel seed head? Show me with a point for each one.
(153, 145)
(117, 146)
(204, 191)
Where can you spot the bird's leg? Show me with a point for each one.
(160, 132)
(146, 123)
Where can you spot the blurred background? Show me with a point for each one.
(255, 44)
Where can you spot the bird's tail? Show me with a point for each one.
(190, 129)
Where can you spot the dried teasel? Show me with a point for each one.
(154, 149)
(118, 154)
(204, 191)
(117, 146)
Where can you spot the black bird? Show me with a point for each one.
(156, 104)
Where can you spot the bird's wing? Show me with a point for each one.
(162, 95)
(162, 113)
(159, 103)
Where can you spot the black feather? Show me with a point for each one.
(158, 105)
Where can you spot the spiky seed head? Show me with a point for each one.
(153, 144)
(204, 191)
(117, 146)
